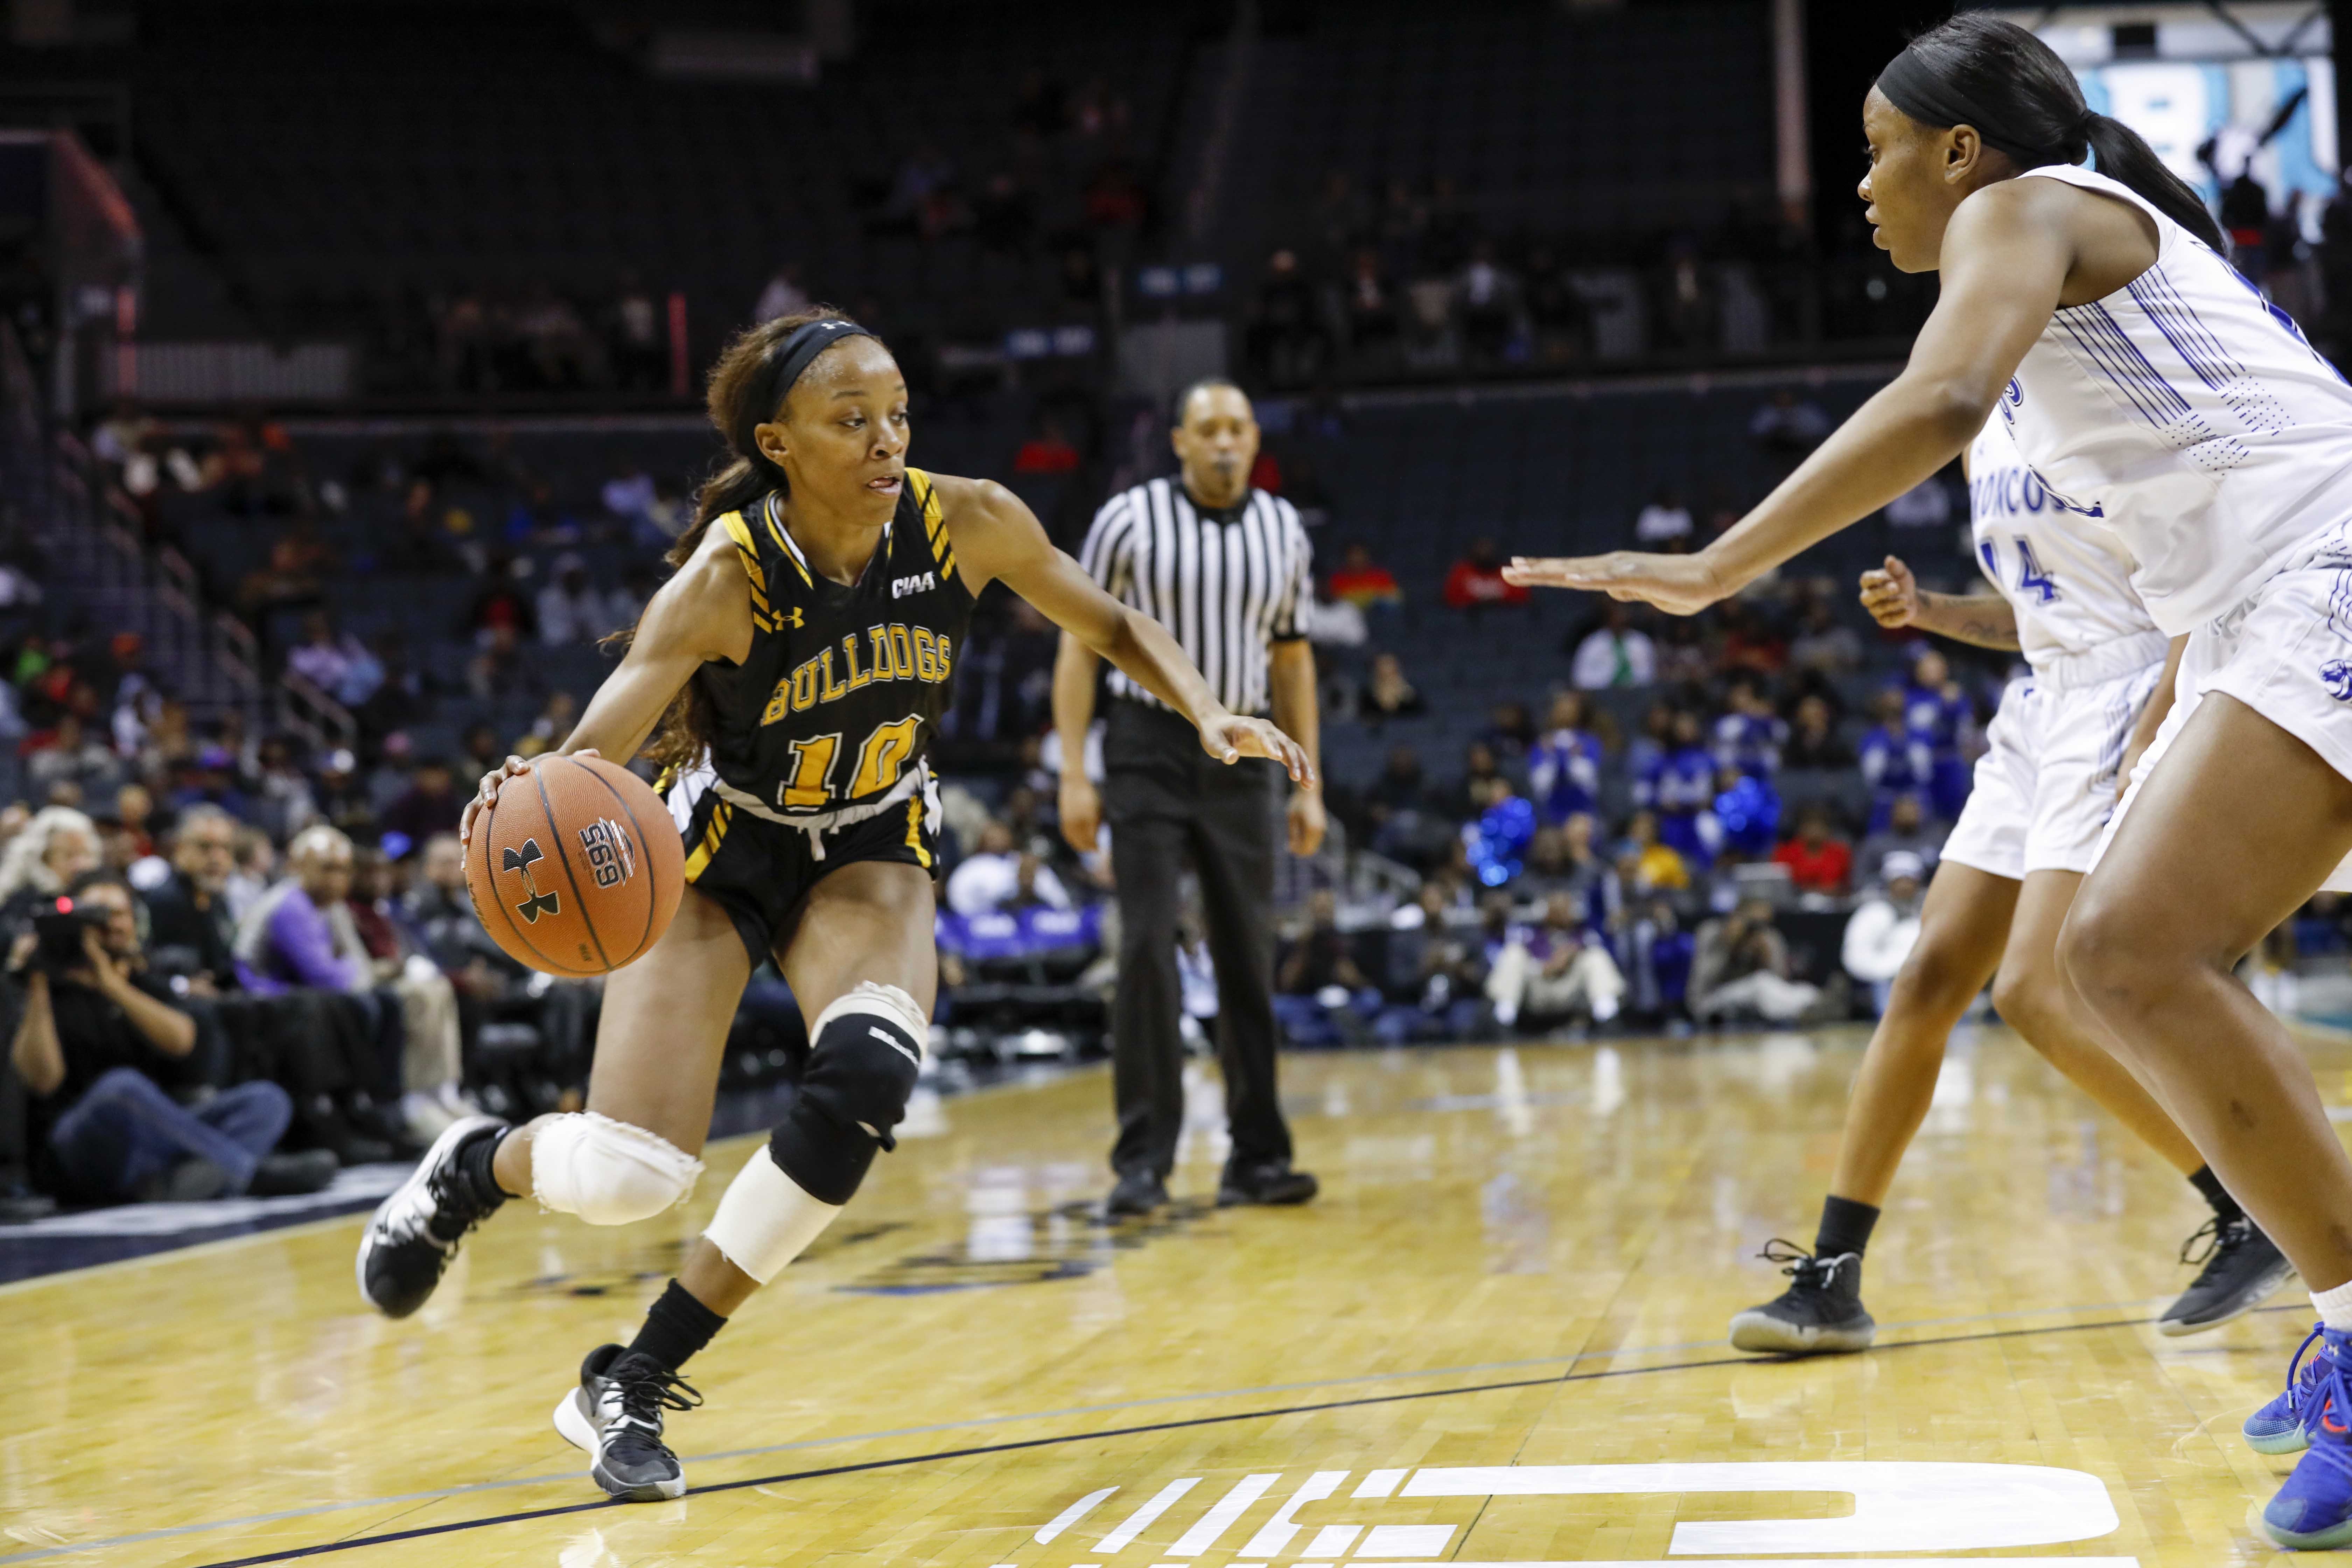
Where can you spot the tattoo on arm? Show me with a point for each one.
(1981, 620)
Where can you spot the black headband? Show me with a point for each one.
(779, 368)
(1911, 85)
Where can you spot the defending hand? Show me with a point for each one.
(1890, 595)
(1678, 585)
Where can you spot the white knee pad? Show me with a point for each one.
(889, 1001)
(765, 1218)
(607, 1172)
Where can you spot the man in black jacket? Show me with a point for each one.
(190, 930)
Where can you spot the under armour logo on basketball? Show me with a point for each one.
(537, 903)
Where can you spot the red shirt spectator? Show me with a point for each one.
(1818, 861)
(1361, 583)
(1477, 579)
(1046, 452)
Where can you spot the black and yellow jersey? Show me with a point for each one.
(835, 705)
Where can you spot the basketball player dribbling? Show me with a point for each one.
(2065, 738)
(2151, 389)
(787, 679)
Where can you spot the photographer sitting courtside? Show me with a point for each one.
(96, 1035)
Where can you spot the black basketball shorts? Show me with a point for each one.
(759, 871)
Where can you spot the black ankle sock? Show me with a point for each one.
(1845, 1228)
(474, 1159)
(676, 1325)
(2225, 1208)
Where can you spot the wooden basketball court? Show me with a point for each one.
(1497, 1338)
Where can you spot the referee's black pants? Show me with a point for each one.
(1166, 798)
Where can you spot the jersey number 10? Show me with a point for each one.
(880, 762)
(2030, 578)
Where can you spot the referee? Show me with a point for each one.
(1225, 569)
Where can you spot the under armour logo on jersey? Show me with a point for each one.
(793, 615)
(2337, 673)
(921, 582)
(537, 903)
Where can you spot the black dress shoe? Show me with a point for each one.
(1272, 1183)
(189, 1182)
(1138, 1192)
(283, 1175)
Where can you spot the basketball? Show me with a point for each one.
(575, 868)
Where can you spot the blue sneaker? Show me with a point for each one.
(2277, 1427)
(2314, 1509)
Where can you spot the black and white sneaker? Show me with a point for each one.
(615, 1416)
(413, 1234)
(1821, 1313)
(2244, 1269)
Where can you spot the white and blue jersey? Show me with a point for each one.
(2185, 413)
(2068, 578)
(1678, 786)
(1894, 762)
(1564, 774)
(1750, 743)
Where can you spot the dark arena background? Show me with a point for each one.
(352, 368)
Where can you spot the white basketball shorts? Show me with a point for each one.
(2044, 791)
(2285, 652)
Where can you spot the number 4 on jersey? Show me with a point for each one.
(2030, 578)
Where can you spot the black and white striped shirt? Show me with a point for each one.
(1225, 585)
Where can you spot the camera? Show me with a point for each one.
(58, 932)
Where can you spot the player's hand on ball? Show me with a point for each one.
(492, 782)
(1678, 585)
(1890, 595)
(1231, 738)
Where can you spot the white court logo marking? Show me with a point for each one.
(1898, 1506)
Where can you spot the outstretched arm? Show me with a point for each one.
(703, 613)
(2006, 256)
(996, 536)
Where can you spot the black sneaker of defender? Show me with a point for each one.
(1821, 1313)
(615, 1417)
(2244, 1269)
(414, 1233)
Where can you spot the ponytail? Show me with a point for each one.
(735, 393)
(2127, 159)
(2024, 103)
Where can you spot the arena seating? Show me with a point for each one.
(1529, 110)
(368, 152)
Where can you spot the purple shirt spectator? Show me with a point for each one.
(288, 942)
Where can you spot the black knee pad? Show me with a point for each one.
(861, 1067)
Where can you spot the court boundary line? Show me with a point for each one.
(1201, 1398)
(299, 1227)
(1020, 1445)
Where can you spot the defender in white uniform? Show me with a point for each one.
(2156, 393)
(2043, 794)
(2189, 419)
(2047, 786)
